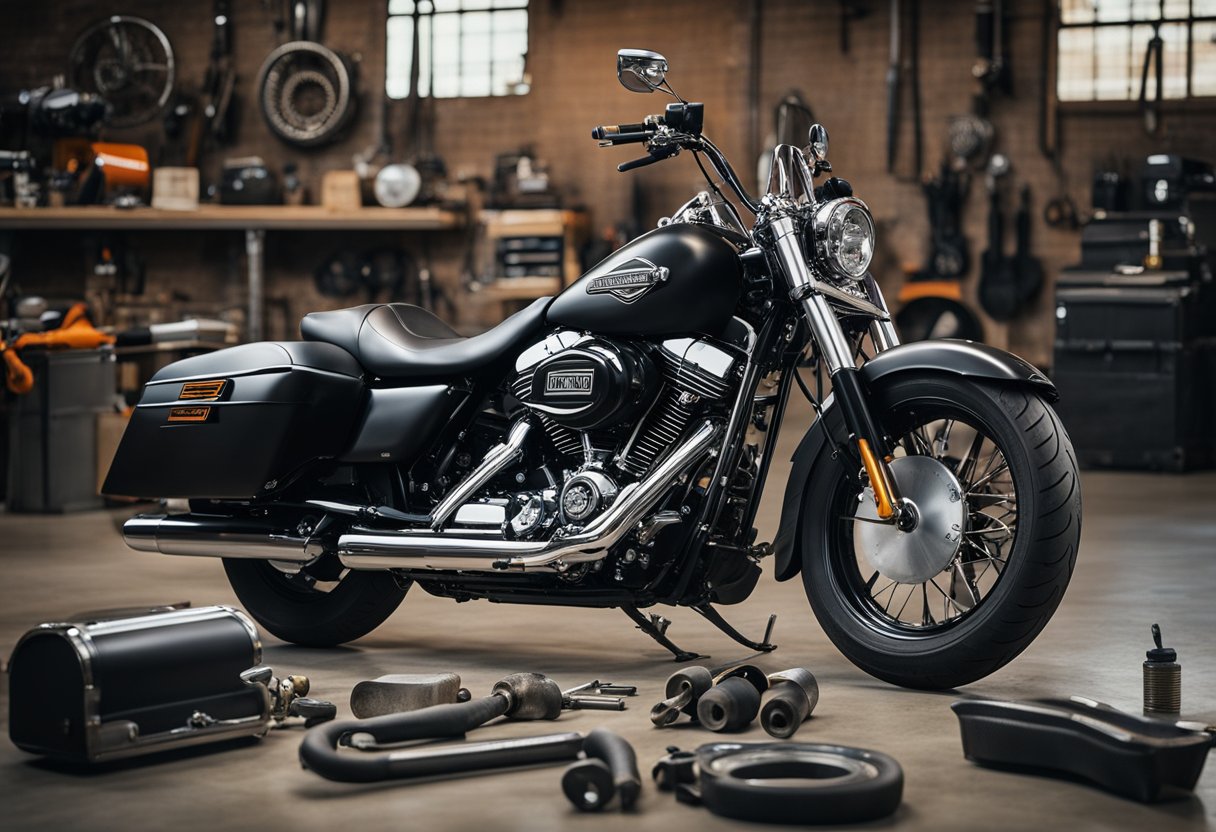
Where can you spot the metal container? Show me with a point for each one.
(112, 686)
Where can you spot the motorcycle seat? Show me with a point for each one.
(398, 340)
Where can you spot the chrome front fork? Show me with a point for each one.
(835, 348)
(842, 367)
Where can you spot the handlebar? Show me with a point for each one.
(679, 128)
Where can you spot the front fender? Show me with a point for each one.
(959, 358)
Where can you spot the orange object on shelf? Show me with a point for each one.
(123, 165)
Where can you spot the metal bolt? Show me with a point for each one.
(520, 477)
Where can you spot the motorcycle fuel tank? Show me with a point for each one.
(679, 279)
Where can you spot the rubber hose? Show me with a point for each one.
(319, 749)
(730, 706)
(621, 759)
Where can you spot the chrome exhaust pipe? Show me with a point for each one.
(473, 553)
(219, 537)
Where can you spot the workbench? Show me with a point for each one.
(254, 220)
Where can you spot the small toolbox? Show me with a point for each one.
(116, 685)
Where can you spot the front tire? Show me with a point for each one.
(1024, 523)
(311, 613)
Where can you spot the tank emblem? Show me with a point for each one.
(569, 383)
(630, 280)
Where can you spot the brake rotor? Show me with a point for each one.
(915, 556)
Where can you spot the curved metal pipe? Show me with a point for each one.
(440, 550)
(496, 459)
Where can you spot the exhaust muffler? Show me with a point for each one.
(219, 537)
(463, 550)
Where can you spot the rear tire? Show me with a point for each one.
(1036, 568)
(292, 609)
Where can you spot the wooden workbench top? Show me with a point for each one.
(230, 217)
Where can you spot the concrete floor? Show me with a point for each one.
(1149, 554)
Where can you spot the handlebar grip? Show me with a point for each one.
(609, 132)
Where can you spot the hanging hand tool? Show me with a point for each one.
(901, 78)
(850, 10)
(1150, 109)
(893, 78)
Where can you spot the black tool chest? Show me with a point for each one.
(1135, 364)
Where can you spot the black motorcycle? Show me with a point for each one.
(608, 447)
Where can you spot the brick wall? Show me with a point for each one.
(572, 47)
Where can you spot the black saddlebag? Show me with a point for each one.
(109, 687)
(236, 423)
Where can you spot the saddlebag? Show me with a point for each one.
(239, 422)
(122, 684)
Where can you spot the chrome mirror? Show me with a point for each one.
(640, 70)
(817, 149)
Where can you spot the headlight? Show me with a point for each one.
(842, 234)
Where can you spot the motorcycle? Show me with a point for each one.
(608, 447)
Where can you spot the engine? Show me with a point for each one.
(612, 408)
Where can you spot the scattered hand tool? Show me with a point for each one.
(597, 696)
(610, 769)
(400, 692)
(289, 697)
(518, 696)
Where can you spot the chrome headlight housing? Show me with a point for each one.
(842, 238)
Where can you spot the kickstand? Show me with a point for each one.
(714, 617)
(656, 627)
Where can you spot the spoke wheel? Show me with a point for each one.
(974, 488)
(961, 595)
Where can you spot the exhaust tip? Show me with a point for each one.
(139, 533)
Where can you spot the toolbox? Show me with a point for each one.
(53, 430)
(1149, 407)
(111, 686)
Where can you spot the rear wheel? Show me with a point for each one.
(303, 609)
(994, 478)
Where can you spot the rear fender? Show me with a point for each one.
(958, 358)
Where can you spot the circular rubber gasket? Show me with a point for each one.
(798, 783)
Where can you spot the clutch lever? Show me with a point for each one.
(657, 154)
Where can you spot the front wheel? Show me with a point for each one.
(314, 610)
(993, 478)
